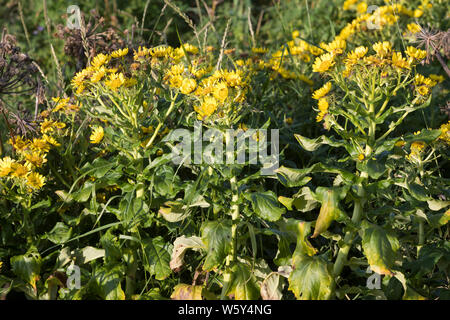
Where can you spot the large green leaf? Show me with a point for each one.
(311, 278)
(216, 236)
(329, 211)
(157, 257)
(107, 280)
(292, 177)
(27, 267)
(304, 247)
(379, 247)
(59, 234)
(180, 246)
(243, 283)
(314, 144)
(265, 205)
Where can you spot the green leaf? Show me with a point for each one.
(243, 283)
(329, 211)
(165, 182)
(314, 144)
(27, 267)
(59, 234)
(418, 192)
(292, 177)
(157, 257)
(98, 168)
(379, 247)
(265, 205)
(304, 247)
(180, 246)
(311, 278)
(108, 281)
(83, 194)
(376, 167)
(426, 136)
(216, 236)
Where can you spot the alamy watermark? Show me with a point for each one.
(74, 19)
(74, 277)
(374, 281)
(250, 147)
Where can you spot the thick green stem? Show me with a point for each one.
(235, 220)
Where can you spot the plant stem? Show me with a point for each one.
(235, 218)
(172, 105)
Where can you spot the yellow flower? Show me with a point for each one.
(19, 143)
(21, 170)
(6, 165)
(445, 132)
(221, 91)
(47, 126)
(415, 53)
(361, 7)
(176, 81)
(356, 54)
(233, 78)
(61, 103)
(417, 146)
(361, 157)
(115, 81)
(348, 3)
(423, 90)
(207, 108)
(295, 34)
(322, 92)
(413, 28)
(39, 144)
(97, 135)
(323, 63)
(35, 158)
(335, 47)
(99, 60)
(382, 48)
(98, 75)
(399, 61)
(176, 69)
(161, 51)
(289, 120)
(189, 48)
(323, 105)
(119, 53)
(51, 140)
(188, 85)
(141, 53)
(418, 13)
(35, 180)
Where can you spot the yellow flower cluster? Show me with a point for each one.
(361, 7)
(445, 133)
(101, 72)
(32, 153)
(323, 104)
(423, 84)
